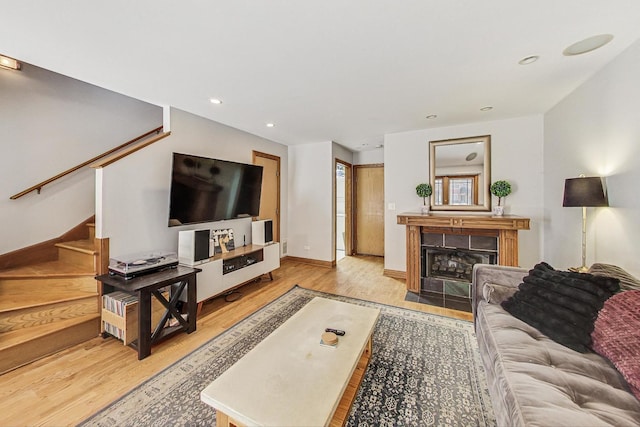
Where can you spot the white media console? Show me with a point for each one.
(226, 271)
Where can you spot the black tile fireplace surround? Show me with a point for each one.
(447, 262)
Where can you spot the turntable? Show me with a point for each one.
(130, 266)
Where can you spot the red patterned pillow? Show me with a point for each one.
(617, 335)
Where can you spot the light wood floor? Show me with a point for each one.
(66, 388)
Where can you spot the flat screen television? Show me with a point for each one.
(206, 190)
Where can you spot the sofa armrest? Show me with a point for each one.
(496, 274)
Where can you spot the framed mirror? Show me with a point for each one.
(460, 174)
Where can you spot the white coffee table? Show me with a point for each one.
(290, 379)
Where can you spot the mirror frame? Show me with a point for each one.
(486, 206)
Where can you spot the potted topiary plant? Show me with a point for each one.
(424, 190)
(500, 189)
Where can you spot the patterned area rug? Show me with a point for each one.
(425, 371)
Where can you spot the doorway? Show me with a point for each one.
(369, 217)
(270, 195)
(343, 210)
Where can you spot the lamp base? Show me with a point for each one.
(582, 269)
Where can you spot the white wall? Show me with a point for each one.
(369, 157)
(341, 153)
(134, 212)
(516, 156)
(596, 131)
(311, 201)
(48, 124)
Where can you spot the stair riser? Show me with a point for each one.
(36, 316)
(27, 352)
(76, 258)
(47, 285)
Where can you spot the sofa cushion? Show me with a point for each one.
(535, 381)
(616, 335)
(495, 294)
(627, 281)
(569, 299)
(600, 286)
(562, 305)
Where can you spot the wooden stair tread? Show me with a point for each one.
(31, 316)
(21, 302)
(46, 269)
(18, 285)
(14, 338)
(86, 246)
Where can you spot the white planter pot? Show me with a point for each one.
(424, 209)
(498, 210)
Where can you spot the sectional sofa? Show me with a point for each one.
(536, 381)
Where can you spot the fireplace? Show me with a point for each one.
(447, 261)
(453, 264)
(493, 238)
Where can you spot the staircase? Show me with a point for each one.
(49, 306)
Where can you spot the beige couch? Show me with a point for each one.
(534, 381)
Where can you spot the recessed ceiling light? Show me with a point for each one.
(587, 45)
(487, 108)
(432, 116)
(270, 125)
(215, 101)
(528, 60)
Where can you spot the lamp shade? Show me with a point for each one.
(584, 191)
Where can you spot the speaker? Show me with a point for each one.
(194, 247)
(262, 232)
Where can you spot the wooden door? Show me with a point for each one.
(270, 196)
(369, 218)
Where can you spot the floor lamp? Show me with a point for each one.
(584, 192)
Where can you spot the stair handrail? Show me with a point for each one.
(39, 186)
(107, 160)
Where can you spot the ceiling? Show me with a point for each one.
(344, 71)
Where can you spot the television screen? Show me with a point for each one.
(205, 190)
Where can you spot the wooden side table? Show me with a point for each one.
(144, 287)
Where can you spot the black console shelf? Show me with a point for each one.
(148, 286)
(230, 265)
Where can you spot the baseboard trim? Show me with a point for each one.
(395, 274)
(310, 261)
